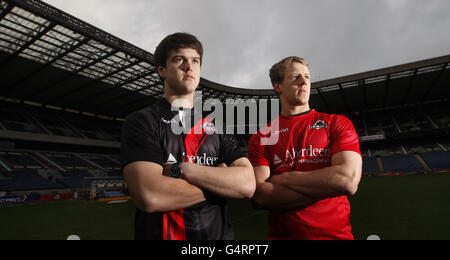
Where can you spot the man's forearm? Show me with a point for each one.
(321, 184)
(153, 192)
(230, 182)
(279, 198)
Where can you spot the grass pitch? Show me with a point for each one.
(403, 207)
(414, 207)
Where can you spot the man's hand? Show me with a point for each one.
(167, 167)
(235, 181)
(276, 197)
(184, 166)
(187, 168)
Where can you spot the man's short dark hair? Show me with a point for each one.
(174, 42)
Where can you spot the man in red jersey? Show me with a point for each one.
(305, 177)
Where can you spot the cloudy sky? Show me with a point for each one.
(243, 38)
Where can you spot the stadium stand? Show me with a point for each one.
(19, 161)
(67, 87)
(438, 161)
(402, 163)
(25, 181)
(370, 166)
(24, 171)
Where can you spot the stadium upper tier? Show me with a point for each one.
(28, 122)
(27, 170)
(54, 59)
(19, 122)
(22, 170)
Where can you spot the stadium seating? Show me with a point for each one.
(402, 163)
(103, 162)
(18, 160)
(75, 182)
(73, 170)
(401, 121)
(370, 166)
(115, 173)
(69, 161)
(438, 161)
(15, 121)
(439, 116)
(25, 181)
(39, 120)
(55, 126)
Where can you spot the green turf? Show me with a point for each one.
(58, 220)
(411, 207)
(404, 207)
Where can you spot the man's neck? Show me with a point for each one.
(185, 101)
(289, 110)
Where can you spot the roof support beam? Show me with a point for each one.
(83, 87)
(49, 12)
(435, 82)
(362, 83)
(6, 11)
(114, 99)
(330, 109)
(113, 88)
(133, 92)
(48, 64)
(124, 111)
(410, 85)
(344, 99)
(142, 98)
(386, 91)
(54, 84)
(27, 45)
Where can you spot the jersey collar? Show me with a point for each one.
(296, 115)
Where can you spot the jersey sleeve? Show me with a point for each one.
(230, 150)
(140, 141)
(257, 152)
(344, 136)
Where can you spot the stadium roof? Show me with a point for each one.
(54, 59)
(412, 84)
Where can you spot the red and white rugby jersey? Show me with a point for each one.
(306, 142)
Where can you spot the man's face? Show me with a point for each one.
(182, 71)
(296, 86)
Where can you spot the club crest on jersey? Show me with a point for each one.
(209, 128)
(319, 125)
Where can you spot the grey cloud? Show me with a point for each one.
(243, 38)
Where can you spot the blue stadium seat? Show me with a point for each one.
(115, 173)
(75, 183)
(370, 166)
(438, 161)
(25, 181)
(402, 163)
(76, 174)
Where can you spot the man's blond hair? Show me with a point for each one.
(277, 72)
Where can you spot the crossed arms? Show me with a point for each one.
(153, 192)
(293, 190)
